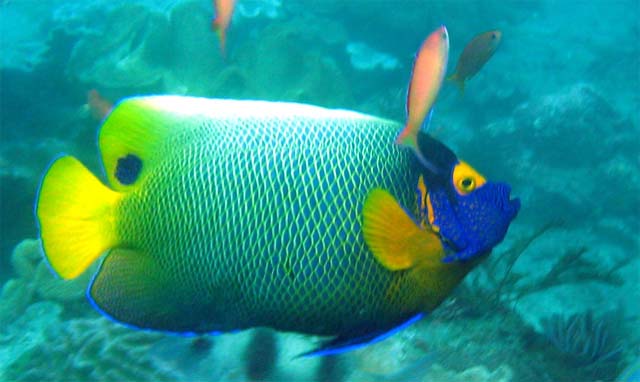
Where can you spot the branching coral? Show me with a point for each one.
(584, 339)
(580, 345)
(498, 285)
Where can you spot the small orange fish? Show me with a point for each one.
(98, 105)
(477, 52)
(429, 69)
(224, 11)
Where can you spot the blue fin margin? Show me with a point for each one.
(421, 158)
(341, 345)
(427, 121)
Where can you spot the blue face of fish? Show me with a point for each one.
(470, 214)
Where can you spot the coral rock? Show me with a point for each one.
(474, 374)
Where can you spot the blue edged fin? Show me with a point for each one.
(131, 288)
(427, 121)
(423, 160)
(342, 344)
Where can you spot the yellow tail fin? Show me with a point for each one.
(75, 212)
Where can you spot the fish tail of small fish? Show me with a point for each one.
(98, 105)
(222, 35)
(408, 137)
(458, 81)
(76, 215)
(215, 24)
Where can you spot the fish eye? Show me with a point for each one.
(493, 36)
(466, 179)
(467, 184)
(128, 169)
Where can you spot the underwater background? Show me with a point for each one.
(555, 113)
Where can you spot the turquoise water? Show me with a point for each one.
(555, 113)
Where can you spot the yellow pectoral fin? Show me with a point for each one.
(395, 240)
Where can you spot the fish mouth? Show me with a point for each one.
(512, 206)
(506, 203)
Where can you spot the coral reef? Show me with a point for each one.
(93, 348)
(584, 339)
(125, 58)
(301, 74)
(486, 305)
(190, 60)
(48, 331)
(567, 123)
(498, 284)
(363, 57)
(22, 41)
(257, 8)
(46, 348)
(35, 281)
(585, 345)
(553, 144)
(473, 374)
(554, 113)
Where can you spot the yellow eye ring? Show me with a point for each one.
(466, 179)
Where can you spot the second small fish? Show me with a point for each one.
(477, 52)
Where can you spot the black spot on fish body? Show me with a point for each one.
(128, 169)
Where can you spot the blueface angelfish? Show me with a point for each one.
(222, 215)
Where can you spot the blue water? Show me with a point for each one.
(555, 112)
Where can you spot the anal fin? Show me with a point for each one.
(342, 344)
(131, 288)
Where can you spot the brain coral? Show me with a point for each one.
(34, 280)
(43, 347)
